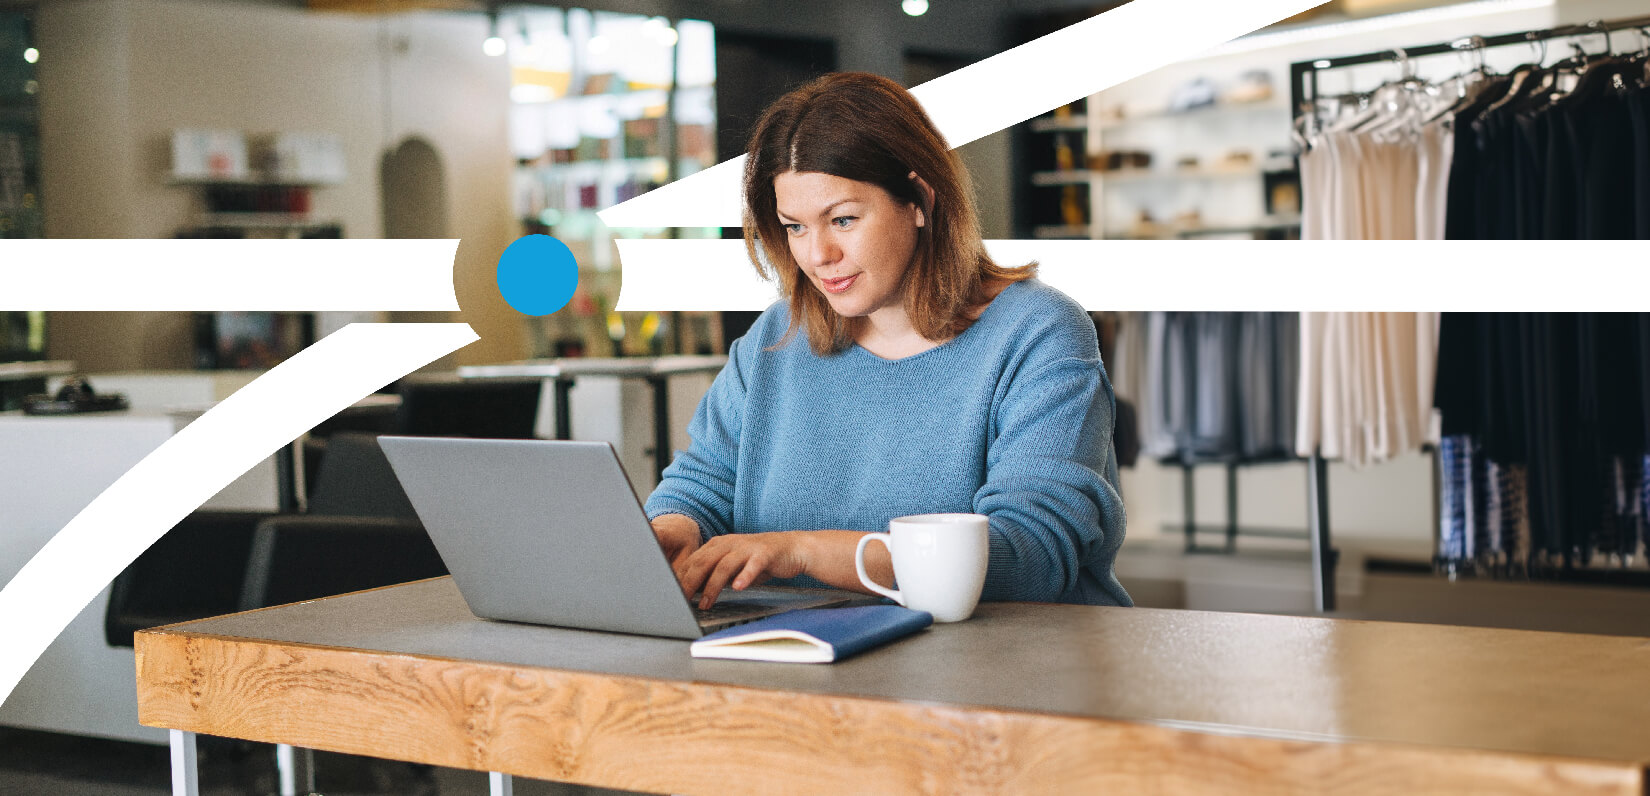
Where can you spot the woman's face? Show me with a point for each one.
(852, 239)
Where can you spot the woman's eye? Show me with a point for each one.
(842, 222)
(793, 229)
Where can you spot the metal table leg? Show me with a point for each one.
(185, 765)
(1317, 520)
(661, 424)
(500, 784)
(564, 411)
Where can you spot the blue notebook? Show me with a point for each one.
(813, 635)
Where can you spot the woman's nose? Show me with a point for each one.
(822, 250)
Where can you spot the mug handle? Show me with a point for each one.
(859, 566)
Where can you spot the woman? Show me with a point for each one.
(903, 373)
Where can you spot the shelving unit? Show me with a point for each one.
(1172, 133)
(606, 107)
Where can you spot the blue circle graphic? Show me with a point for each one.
(537, 274)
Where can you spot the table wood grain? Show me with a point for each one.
(1022, 698)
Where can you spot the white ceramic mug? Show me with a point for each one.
(939, 562)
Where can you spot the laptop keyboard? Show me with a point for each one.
(722, 612)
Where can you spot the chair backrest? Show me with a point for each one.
(491, 408)
(197, 570)
(306, 557)
(355, 480)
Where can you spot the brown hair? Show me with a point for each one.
(868, 128)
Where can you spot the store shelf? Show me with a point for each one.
(247, 182)
(1173, 231)
(263, 221)
(1193, 113)
(1170, 175)
(1075, 176)
(1054, 124)
(1063, 232)
(1069, 177)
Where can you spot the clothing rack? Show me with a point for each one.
(1303, 75)
(1324, 557)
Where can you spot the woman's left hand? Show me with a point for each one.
(740, 560)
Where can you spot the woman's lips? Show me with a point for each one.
(838, 285)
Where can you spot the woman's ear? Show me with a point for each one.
(927, 192)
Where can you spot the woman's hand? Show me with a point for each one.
(678, 536)
(740, 560)
(743, 560)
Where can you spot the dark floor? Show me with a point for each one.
(36, 763)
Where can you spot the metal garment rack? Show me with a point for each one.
(1303, 75)
(1303, 99)
(1324, 557)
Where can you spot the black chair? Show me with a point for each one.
(302, 557)
(355, 480)
(197, 570)
(361, 533)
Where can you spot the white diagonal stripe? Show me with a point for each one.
(1005, 89)
(206, 275)
(194, 465)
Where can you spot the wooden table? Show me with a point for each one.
(1022, 698)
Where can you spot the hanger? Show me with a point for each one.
(1596, 73)
(1470, 84)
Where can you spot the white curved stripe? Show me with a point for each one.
(1005, 89)
(1246, 275)
(710, 198)
(194, 465)
(689, 275)
(206, 275)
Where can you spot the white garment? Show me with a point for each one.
(1435, 152)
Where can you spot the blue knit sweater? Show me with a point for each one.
(1012, 419)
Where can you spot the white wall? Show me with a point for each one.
(118, 76)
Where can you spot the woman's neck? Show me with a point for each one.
(888, 333)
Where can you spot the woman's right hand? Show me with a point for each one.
(678, 536)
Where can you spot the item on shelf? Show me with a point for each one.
(1198, 93)
(1111, 113)
(1072, 210)
(696, 141)
(74, 397)
(1187, 163)
(641, 138)
(1145, 226)
(1238, 158)
(1189, 219)
(1116, 160)
(1065, 159)
(598, 84)
(1254, 85)
(306, 158)
(587, 196)
(209, 154)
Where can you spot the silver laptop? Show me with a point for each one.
(551, 533)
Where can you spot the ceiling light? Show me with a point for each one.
(31, 55)
(915, 8)
(494, 45)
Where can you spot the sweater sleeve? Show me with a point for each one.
(699, 481)
(1050, 486)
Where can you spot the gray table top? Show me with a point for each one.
(1272, 676)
